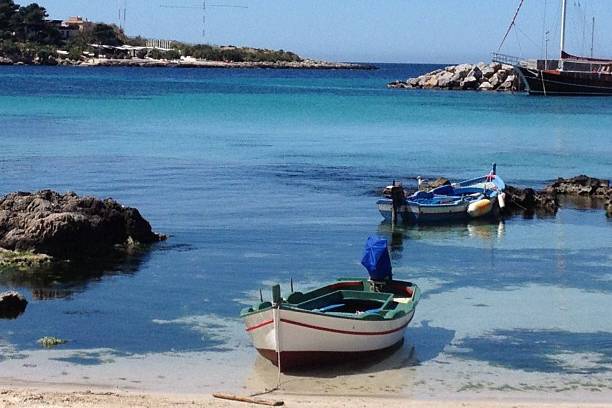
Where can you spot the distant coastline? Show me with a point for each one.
(194, 63)
(28, 37)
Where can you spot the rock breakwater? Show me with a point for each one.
(480, 77)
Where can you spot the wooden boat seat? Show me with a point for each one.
(348, 301)
(330, 308)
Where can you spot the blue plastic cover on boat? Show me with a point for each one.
(376, 259)
(444, 190)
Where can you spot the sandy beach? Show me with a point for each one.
(67, 396)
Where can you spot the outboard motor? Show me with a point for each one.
(376, 259)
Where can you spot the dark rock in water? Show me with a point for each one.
(581, 185)
(439, 182)
(67, 226)
(12, 304)
(608, 207)
(529, 201)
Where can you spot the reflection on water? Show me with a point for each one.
(487, 231)
(581, 202)
(380, 373)
(64, 279)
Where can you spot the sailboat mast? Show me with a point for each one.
(563, 13)
(592, 36)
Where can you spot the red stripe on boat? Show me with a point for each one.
(262, 324)
(346, 331)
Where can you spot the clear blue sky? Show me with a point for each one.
(441, 31)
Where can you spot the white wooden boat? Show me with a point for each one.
(350, 318)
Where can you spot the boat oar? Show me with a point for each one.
(250, 400)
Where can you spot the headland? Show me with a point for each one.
(28, 37)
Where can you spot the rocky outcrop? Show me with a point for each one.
(581, 185)
(545, 201)
(12, 304)
(481, 77)
(529, 201)
(66, 226)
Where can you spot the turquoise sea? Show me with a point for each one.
(262, 176)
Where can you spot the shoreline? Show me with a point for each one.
(149, 63)
(71, 395)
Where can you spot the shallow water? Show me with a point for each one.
(260, 176)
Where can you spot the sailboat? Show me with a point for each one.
(570, 75)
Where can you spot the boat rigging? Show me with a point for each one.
(569, 75)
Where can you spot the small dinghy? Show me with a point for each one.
(338, 322)
(468, 199)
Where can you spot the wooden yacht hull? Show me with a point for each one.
(569, 83)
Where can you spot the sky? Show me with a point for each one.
(432, 31)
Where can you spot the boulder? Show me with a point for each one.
(502, 74)
(507, 84)
(495, 81)
(439, 182)
(12, 304)
(431, 82)
(608, 208)
(398, 84)
(469, 82)
(488, 71)
(485, 86)
(475, 72)
(444, 79)
(67, 226)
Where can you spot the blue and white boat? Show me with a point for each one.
(475, 198)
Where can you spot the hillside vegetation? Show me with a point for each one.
(27, 36)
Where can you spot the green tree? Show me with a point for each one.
(75, 53)
(106, 34)
(9, 49)
(156, 54)
(172, 55)
(46, 55)
(34, 25)
(137, 41)
(8, 13)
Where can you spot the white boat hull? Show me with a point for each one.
(413, 213)
(305, 337)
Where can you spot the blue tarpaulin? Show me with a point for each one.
(376, 259)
